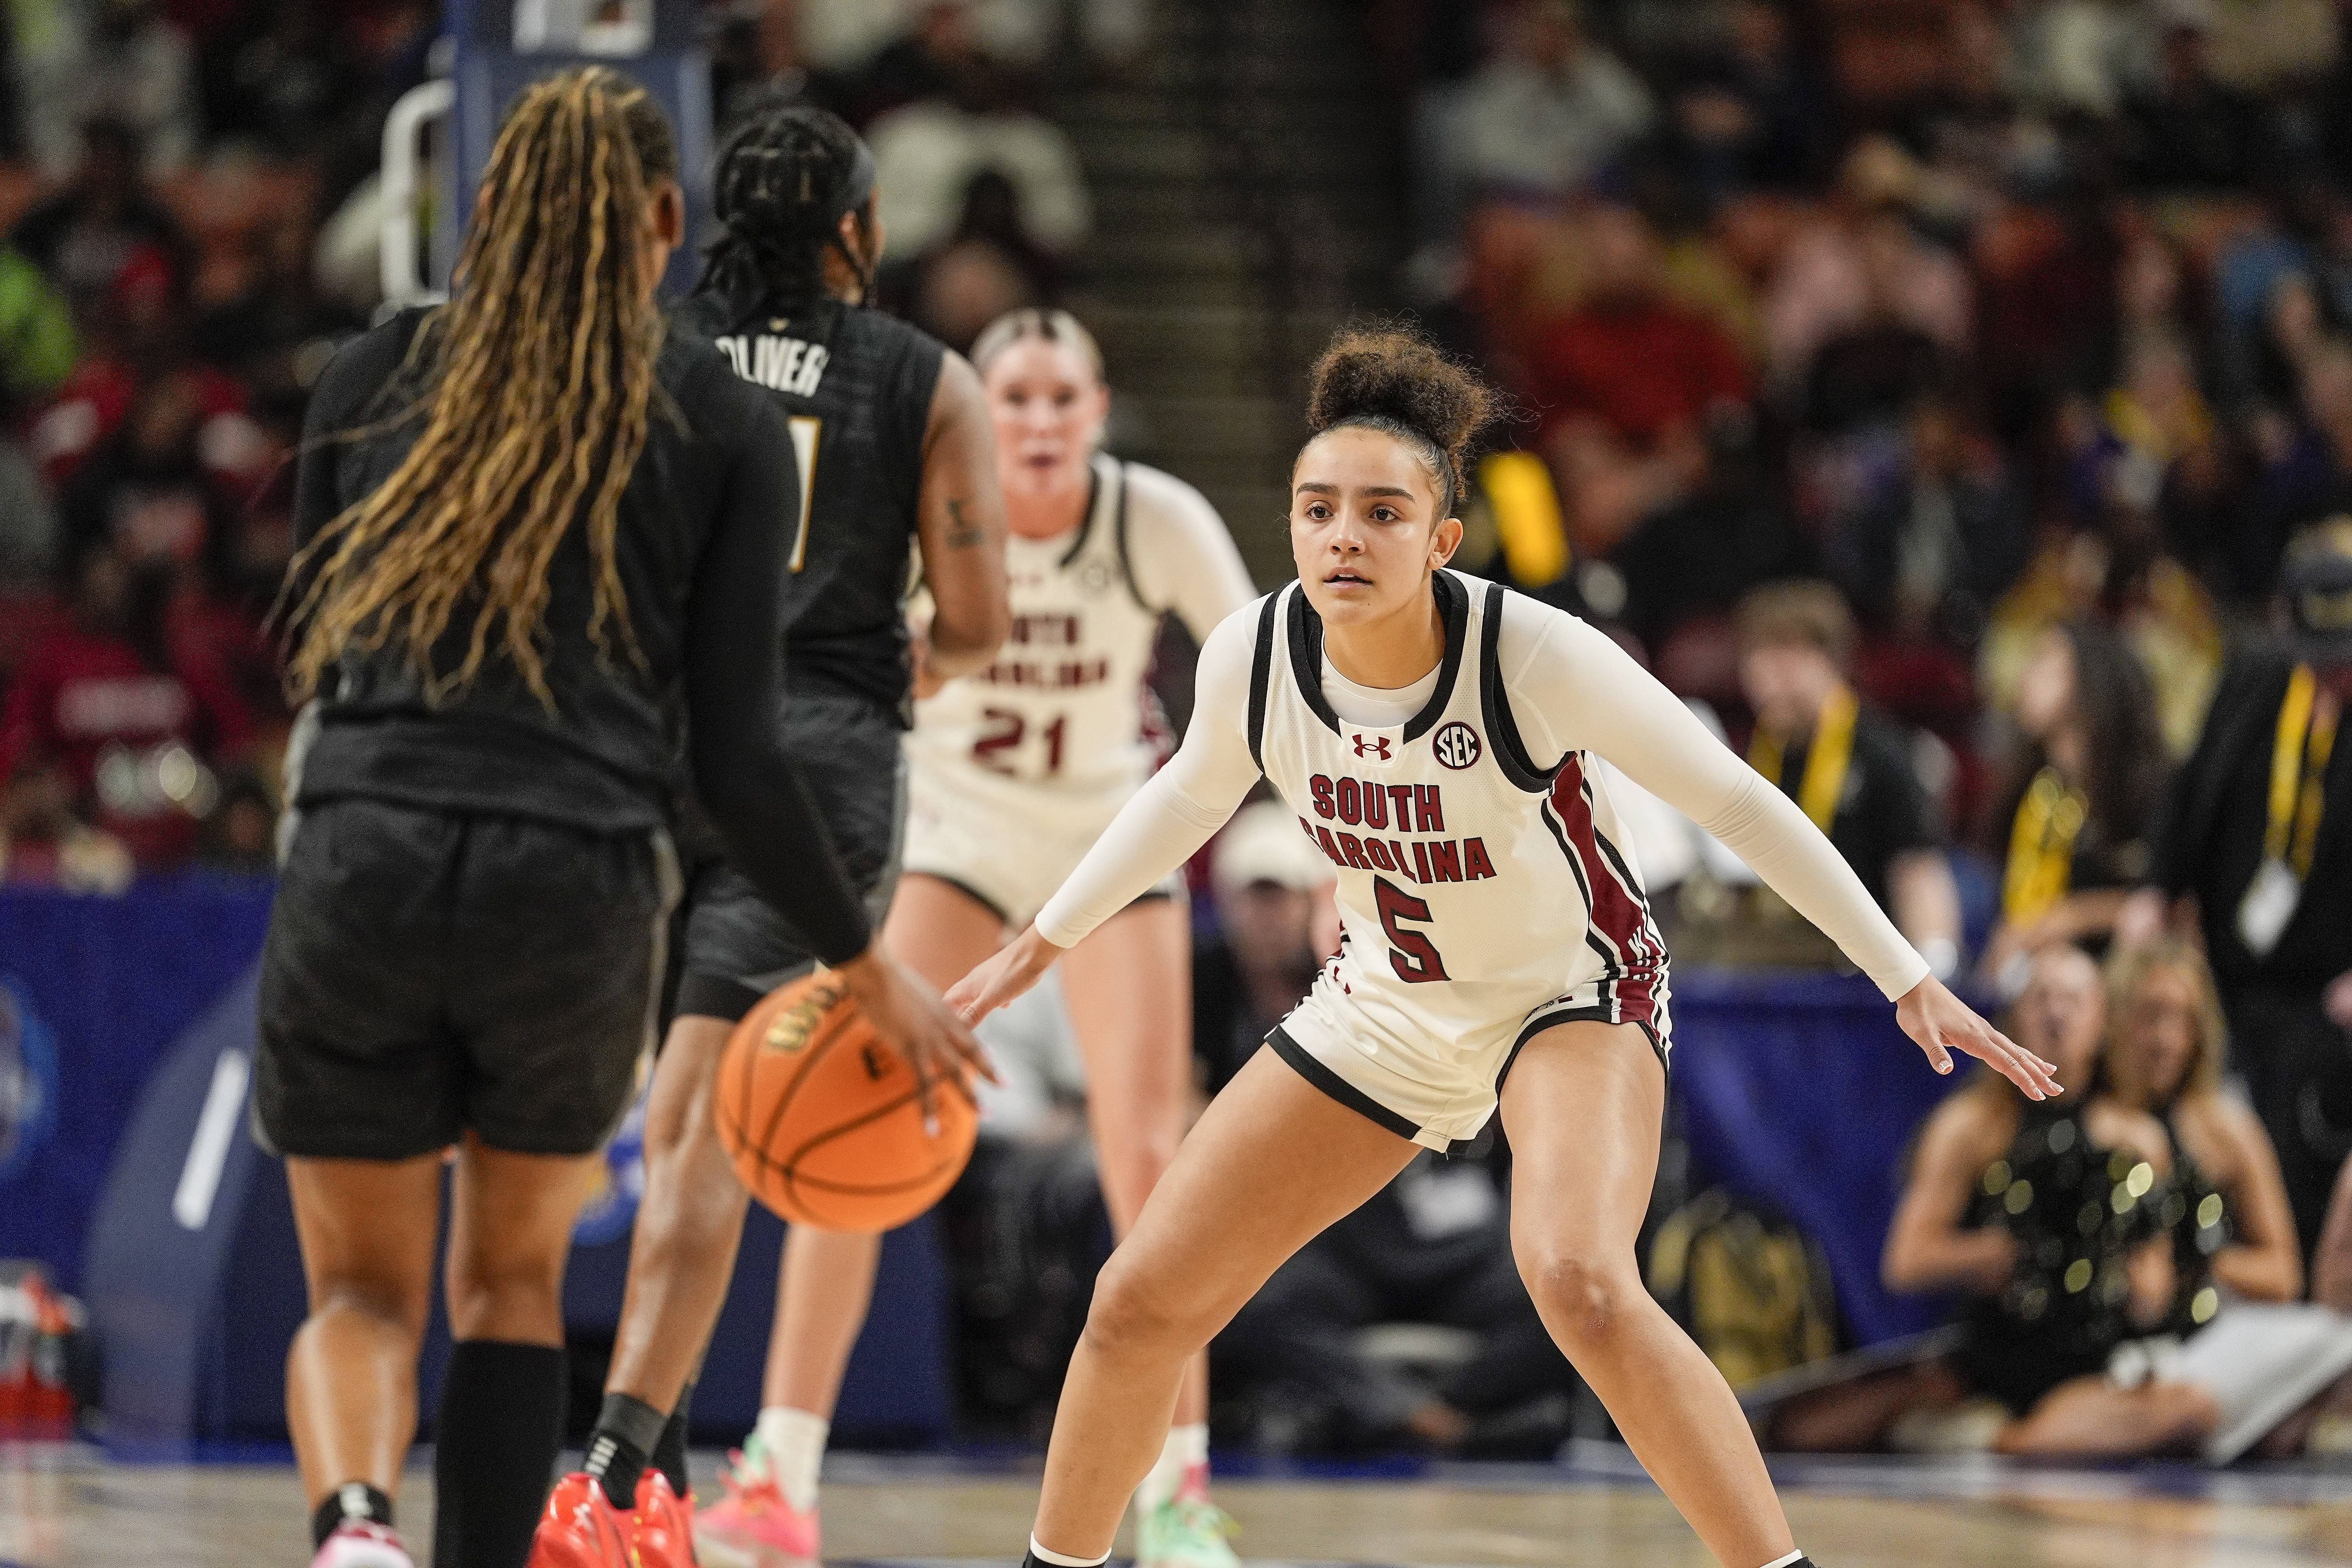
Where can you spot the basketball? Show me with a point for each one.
(821, 1116)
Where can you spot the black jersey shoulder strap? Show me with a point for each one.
(1261, 674)
(1502, 730)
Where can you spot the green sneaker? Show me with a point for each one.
(1185, 1532)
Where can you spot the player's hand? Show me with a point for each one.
(1012, 971)
(937, 1044)
(1941, 1023)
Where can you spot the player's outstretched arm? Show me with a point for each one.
(1582, 690)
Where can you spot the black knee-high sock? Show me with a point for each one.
(495, 1442)
(621, 1445)
(670, 1450)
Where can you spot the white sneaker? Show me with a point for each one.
(359, 1543)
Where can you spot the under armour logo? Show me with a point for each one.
(1378, 746)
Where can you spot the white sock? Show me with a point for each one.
(1797, 1556)
(793, 1441)
(1059, 1561)
(1186, 1447)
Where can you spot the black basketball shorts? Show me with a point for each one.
(428, 973)
(737, 949)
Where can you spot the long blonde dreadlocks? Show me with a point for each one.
(538, 378)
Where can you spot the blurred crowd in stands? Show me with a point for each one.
(2009, 320)
(189, 199)
(1954, 399)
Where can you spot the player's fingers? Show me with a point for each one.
(973, 1055)
(926, 1097)
(2044, 1074)
(2017, 1066)
(1938, 1057)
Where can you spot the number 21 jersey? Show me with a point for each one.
(1060, 720)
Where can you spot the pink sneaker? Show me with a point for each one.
(358, 1543)
(753, 1526)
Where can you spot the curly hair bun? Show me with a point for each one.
(1394, 374)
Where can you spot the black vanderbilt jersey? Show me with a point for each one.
(855, 387)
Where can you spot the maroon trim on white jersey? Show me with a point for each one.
(1619, 927)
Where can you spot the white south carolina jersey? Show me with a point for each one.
(1484, 897)
(1014, 769)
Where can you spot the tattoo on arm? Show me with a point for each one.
(962, 532)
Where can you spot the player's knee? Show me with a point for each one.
(1133, 1314)
(489, 1294)
(1584, 1299)
(396, 1303)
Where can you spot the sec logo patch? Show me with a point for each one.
(1456, 745)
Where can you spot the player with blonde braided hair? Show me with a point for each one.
(538, 545)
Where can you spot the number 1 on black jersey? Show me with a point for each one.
(805, 429)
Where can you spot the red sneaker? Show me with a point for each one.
(580, 1528)
(664, 1537)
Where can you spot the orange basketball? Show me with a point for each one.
(822, 1117)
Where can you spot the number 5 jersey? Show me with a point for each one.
(1015, 768)
(1484, 887)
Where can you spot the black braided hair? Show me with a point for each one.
(781, 180)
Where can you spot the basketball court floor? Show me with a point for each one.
(68, 1508)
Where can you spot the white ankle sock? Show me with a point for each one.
(793, 1443)
(1186, 1447)
(1796, 1556)
(1059, 1561)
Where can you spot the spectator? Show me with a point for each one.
(1926, 550)
(271, 327)
(1752, 114)
(137, 722)
(242, 835)
(988, 267)
(927, 154)
(146, 494)
(2157, 448)
(42, 845)
(103, 231)
(2186, 130)
(1859, 265)
(1630, 384)
(1847, 766)
(2075, 56)
(2309, 480)
(117, 60)
(2070, 828)
(2225, 1204)
(1268, 880)
(1543, 117)
(1433, 1247)
(283, 82)
(1991, 1208)
(2255, 847)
